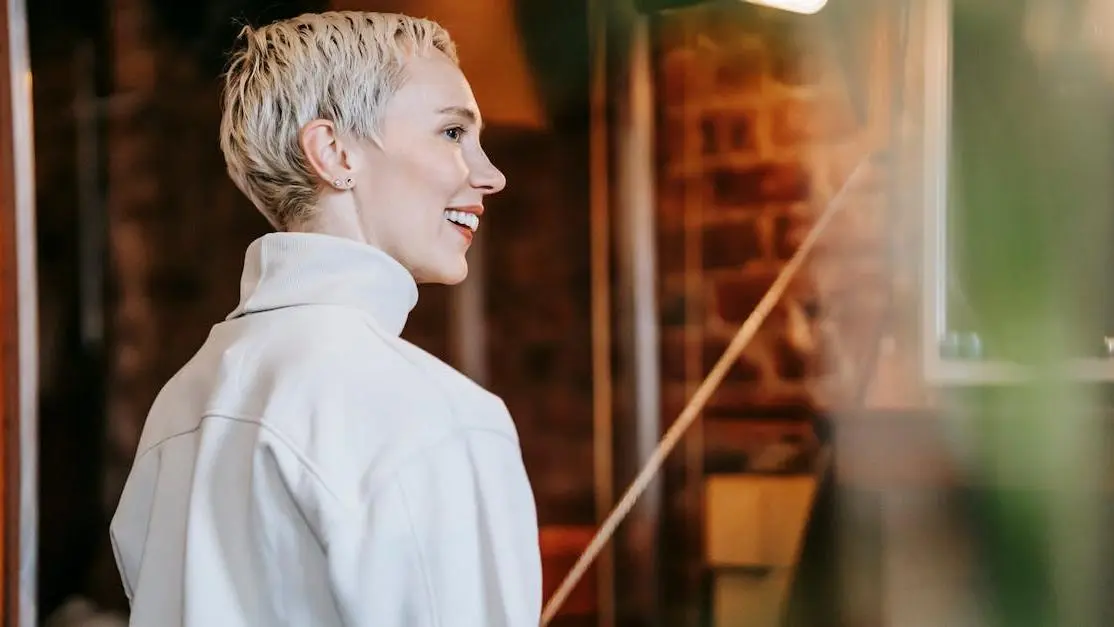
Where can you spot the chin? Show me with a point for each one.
(454, 279)
(448, 274)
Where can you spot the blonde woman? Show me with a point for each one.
(308, 467)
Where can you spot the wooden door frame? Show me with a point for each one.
(18, 325)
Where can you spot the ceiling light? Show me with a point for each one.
(806, 7)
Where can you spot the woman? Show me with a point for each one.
(308, 467)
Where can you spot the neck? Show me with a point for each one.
(337, 219)
(298, 269)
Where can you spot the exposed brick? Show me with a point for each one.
(792, 60)
(771, 182)
(765, 227)
(674, 397)
(855, 229)
(671, 34)
(673, 303)
(793, 365)
(736, 297)
(764, 64)
(729, 131)
(671, 250)
(740, 130)
(744, 401)
(680, 76)
(786, 182)
(709, 350)
(671, 201)
(672, 356)
(560, 467)
(730, 245)
(672, 136)
(740, 69)
(727, 25)
(718, 461)
(741, 370)
(710, 142)
(737, 188)
(798, 119)
(789, 231)
(560, 547)
(731, 440)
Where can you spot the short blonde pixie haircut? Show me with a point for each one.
(341, 66)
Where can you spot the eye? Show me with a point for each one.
(455, 133)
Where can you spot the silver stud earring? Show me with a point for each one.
(337, 183)
(348, 182)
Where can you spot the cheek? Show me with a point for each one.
(456, 171)
(437, 173)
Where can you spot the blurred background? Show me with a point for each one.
(917, 435)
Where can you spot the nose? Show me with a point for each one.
(487, 178)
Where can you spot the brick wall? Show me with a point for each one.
(758, 129)
(537, 312)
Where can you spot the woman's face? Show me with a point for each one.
(419, 195)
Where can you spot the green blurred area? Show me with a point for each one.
(1030, 180)
(1030, 231)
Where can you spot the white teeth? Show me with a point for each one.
(470, 220)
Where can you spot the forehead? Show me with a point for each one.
(433, 83)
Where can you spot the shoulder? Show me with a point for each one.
(344, 397)
(329, 360)
(333, 389)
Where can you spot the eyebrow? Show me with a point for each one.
(463, 112)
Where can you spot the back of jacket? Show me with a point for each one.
(309, 467)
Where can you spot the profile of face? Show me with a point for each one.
(418, 193)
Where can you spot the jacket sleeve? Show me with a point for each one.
(450, 539)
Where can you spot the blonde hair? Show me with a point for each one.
(342, 66)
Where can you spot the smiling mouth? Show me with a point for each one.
(463, 219)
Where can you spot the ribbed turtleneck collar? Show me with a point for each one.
(291, 269)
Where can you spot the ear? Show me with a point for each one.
(326, 153)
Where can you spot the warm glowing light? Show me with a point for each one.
(807, 7)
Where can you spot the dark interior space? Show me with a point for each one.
(66, 40)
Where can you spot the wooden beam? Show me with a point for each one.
(18, 333)
(636, 419)
(599, 215)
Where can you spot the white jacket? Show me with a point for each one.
(310, 468)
